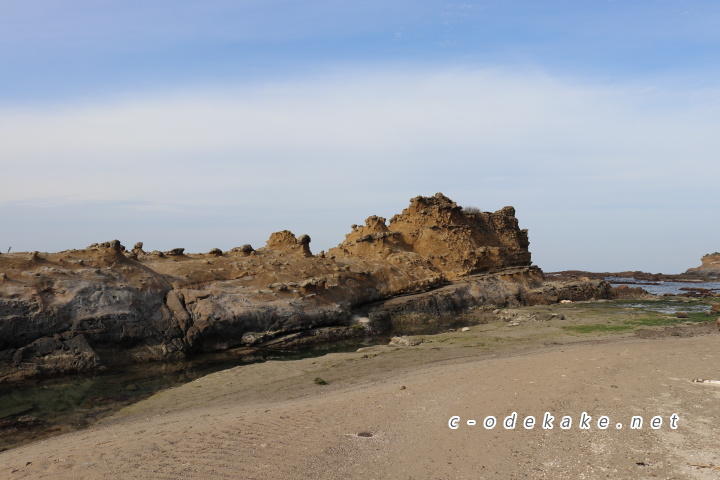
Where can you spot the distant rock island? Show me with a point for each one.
(85, 310)
(708, 271)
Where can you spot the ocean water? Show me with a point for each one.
(661, 288)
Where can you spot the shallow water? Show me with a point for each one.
(670, 307)
(71, 402)
(674, 288)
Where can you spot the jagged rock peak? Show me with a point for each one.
(440, 232)
(438, 200)
(286, 242)
(138, 248)
(112, 244)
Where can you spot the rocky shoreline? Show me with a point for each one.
(84, 310)
(708, 271)
(635, 283)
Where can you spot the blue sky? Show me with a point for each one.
(212, 124)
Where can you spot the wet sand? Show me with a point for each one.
(384, 413)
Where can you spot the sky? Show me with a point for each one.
(203, 124)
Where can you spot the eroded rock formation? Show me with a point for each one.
(710, 265)
(438, 231)
(82, 310)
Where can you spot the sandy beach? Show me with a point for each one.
(385, 413)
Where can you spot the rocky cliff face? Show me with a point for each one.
(437, 231)
(82, 310)
(710, 265)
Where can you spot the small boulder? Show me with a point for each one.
(246, 249)
(215, 251)
(313, 284)
(193, 337)
(682, 315)
(138, 248)
(112, 245)
(405, 341)
(175, 252)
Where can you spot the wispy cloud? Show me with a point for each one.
(359, 142)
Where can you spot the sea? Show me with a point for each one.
(664, 287)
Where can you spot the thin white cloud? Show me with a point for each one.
(366, 141)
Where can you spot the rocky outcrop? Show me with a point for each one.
(59, 311)
(710, 266)
(284, 242)
(83, 310)
(438, 231)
